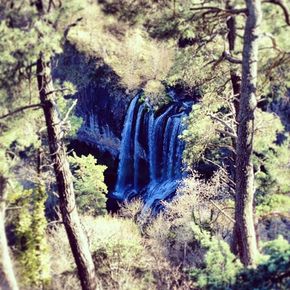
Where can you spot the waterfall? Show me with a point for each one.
(152, 152)
(124, 155)
(172, 147)
(158, 142)
(137, 147)
(166, 140)
(179, 151)
(150, 159)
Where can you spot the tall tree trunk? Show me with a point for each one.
(6, 266)
(236, 90)
(244, 228)
(76, 236)
(235, 77)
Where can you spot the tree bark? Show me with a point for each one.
(236, 90)
(244, 216)
(235, 77)
(6, 266)
(76, 236)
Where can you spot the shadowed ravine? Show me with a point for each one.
(150, 159)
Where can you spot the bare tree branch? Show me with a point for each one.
(213, 9)
(283, 6)
(222, 211)
(69, 111)
(13, 207)
(232, 130)
(222, 169)
(230, 58)
(57, 90)
(20, 110)
(66, 31)
(273, 40)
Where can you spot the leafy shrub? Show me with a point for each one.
(89, 184)
(171, 232)
(220, 265)
(273, 273)
(124, 259)
(274, 178)
(273, 203)
(120, 256)
(33, 257)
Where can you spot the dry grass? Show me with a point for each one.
(123, 258)
(171, 233)
(131, 251)
(145, 59)
(119, 254)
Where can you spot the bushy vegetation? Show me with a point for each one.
(220, 265)
(89, 184)
(154, 47)
(32, 247)
(185, 247)
(272, 273)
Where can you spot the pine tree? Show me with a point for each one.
(244, 219)
(41, 25)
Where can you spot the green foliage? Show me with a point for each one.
(196, 141)
(147, 61)
(222, 270)
(124, 10)
(125, 44)
(203, 133)
(33, 257)
(271, 274)
(20, 23)
(274, 178)
(273, 73)
(271, 160)
(276, 247)
(89, 184)
(118, 236)
(273, 203)
(277, 164)
(267, 127)
(120, 247)
(20, 136)
(30, 42)
(220, 265)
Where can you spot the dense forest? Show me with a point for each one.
(144, 144)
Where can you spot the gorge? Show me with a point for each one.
(144, 160)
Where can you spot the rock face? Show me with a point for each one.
(282, 108)
(102, 104)
(270, 228)
(102, 101)
(103, 116)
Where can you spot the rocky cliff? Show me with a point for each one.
(102, 101)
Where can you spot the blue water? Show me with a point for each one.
(150, 160)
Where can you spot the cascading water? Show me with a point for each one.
(150, 160)
(125, 150)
